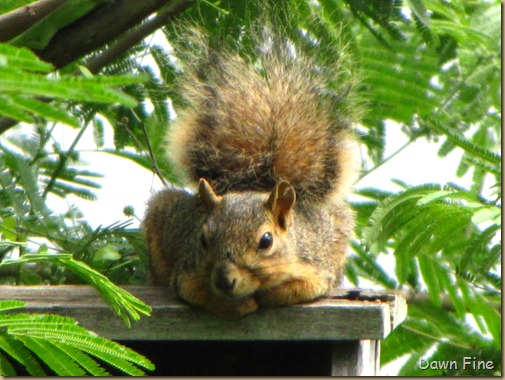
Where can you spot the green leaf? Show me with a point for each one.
(9, 109)
(8, 228)
(472, 306)
(403, 341)
(430, 272)
(76, 88)
(492, 318)
(63, 346)
(53, 357)
(6, 368)
(393, 213)
(463, 34)
(83, 359)
(470, 148)
(36, 107)
(108, 252)
(22, 58)
(123, 303)
(418, 8)
(402, 89)
(10, 305)
(402, 268)
(15, 349)
(487, 213)
(23, 76)
(449, 286)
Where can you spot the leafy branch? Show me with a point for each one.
(124, 304)
(97, 24)
(63, 346)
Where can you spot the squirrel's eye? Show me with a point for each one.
(266, 241)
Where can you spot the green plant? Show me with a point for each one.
(63, 346)
(57, 341)
(25, 166)
(123, 303)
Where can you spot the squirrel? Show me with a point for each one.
(273, 156)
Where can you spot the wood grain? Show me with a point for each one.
(343, 315)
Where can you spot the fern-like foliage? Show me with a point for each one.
(398, 82)
(430, 326)
(24, 78)
(61, 345)
(58, 342)
(33, 165)
(445, 242)
(430, 220)
(123, 303)
(24, 213)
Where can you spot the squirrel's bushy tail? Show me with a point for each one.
(249, 125)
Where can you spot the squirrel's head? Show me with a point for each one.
(244, 237)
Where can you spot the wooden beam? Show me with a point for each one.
(355, 358)
(344, 315)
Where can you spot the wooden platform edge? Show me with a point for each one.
(346, 314)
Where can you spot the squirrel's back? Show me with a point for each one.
(250, 124)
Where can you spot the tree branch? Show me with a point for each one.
(98, 28)
(17, 21)
(445, 301)
(134, 36)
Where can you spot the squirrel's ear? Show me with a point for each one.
(280, 203)
(208, 197)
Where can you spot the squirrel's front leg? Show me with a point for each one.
(194, 288)
(293, 292)
(303, 285)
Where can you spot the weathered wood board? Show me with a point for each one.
(344, 315)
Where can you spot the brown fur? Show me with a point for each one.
(305, 261)
(246, 130)
(269, 225)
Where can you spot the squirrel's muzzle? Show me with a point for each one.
(230, 281)
(225, 280)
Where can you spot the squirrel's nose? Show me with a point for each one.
(224, 280)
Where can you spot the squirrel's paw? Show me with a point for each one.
(293, 292)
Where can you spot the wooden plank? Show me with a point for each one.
(355, 358)
(332, 318)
